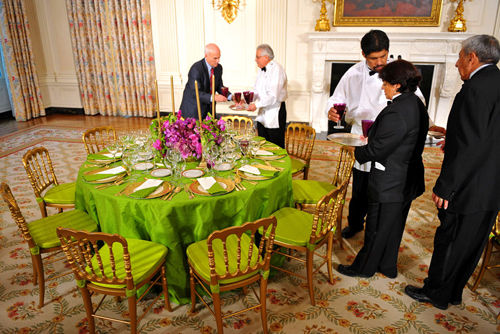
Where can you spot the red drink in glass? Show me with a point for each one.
(246, 95)
(366, 124)
(237, 97)
(224, 91)
(340, 107)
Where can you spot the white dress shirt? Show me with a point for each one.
(363, 95)
(269, 91)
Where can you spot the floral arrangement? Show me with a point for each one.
(184, 134)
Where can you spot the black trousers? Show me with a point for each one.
(276, 136)
(458, 245)
(358, 206)
(385, 224)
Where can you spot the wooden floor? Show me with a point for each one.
(68, 120)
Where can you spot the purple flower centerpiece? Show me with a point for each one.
(184, 135)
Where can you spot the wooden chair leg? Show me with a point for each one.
(218, 312)
(87, 302)
(263, 297)
(43, 209)
(165, 289)
(329, 250)
(309, 268)
(339, 232)
(486, 260)
(41, 276)
(132, 310)
(193, 287)
(35, 270)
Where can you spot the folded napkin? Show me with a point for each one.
(210, 185)
(103, 156)
(104, 174)
(263, 152)
(280, 151)
(258, 138)
(146, 188)
(258, 171)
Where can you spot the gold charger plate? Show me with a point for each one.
(271, 157)
(162, 190)
(105, 180)
(253, 177)
(227, 184)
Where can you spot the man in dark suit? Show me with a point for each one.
(395, 144)
(202, 71)
(467, 192)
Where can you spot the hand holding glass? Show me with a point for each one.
(340, 107)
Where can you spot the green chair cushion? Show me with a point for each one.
(310, 191)
(43, 231)
(61, 194)
(294, 226)
(144, 259)
(297, 165)
(197, 254)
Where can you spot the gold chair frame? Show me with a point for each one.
(96, 139)
(214, 287)
(80, 247)
(299, 143)
(325, 220)
(239, 122)
(343, 174)
(35, 251)
(493, 242)
(40, 170)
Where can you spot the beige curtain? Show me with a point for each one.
(19, 64)
(113, 52)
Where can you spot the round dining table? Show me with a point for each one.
(178, 222)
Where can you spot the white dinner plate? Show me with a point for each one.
(161, 172)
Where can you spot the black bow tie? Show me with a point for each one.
(263, 69)
(389, 102)
(372, 72)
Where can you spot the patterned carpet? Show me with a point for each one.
(350, 305)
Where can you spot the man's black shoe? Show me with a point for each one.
(456, 302)
(348, 271)
(419, 295)
(391, 275)
(349, 232)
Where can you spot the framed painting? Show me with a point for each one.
(387, 12)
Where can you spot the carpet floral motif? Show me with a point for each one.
(349, 305)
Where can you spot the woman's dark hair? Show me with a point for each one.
(374, 41)
(401, 72)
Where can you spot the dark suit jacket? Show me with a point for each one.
(396, 141)
(199, 71)
(470, 174)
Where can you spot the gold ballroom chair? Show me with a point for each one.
(305, 232)
(40, 235)
(96, 139)
(110, 264)
(48, 191)
(230, 259)
(239, 123)
(306, 193)
(493, 242)
(299, 143)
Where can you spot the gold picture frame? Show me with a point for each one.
(387, 12)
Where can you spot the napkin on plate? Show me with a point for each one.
(104, 174)
(210, 185)
(258, 171)
(102, 156)
(146, 188)
(263, 152)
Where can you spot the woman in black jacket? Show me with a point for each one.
(395, 144)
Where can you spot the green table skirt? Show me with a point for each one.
(182, 221)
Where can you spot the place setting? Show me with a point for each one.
(104, 175)
(211, 186)
(257, 172)
(147, 189)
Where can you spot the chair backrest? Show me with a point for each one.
(496, 227)
(82, 251)
(249, 258)
(239, 123)
(299, 140)
(327, 212)
(344, 165)
(38, 166)
(18, 217)
(97, 139)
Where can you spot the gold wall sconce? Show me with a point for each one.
(229, 8)
(457, 24)
(323, 23)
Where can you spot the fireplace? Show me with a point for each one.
(434, 53)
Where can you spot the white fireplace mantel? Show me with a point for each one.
(439, 49)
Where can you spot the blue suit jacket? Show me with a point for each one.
(199, 72)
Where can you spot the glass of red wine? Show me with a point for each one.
(340, 107)
(225, 91)
(246, 95)
(237, 97)
(366, 124)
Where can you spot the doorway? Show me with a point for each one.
(5, 105)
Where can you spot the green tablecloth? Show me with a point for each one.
(182, 221)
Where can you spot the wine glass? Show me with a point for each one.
(237, 99)
(340, 107)
(225, 91)
(113, 149)
(246, 96)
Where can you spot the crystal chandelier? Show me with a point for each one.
(228, 8)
